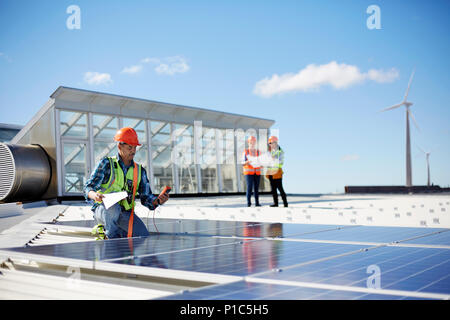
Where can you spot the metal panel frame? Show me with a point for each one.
(60, 146)
(95, 104)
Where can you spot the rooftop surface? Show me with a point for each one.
(320, 247)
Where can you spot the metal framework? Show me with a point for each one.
(81, 125)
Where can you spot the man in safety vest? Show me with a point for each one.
(252, 174)
(121, 173)
(275, 172)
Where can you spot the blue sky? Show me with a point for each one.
(214, 54)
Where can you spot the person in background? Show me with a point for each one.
(121, 173)
(252, 174)
(275, 172)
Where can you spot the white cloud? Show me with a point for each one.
(132, 69)
(5, 56)
(312, 77)
(383, 76)
(350, 157)
(168, 65)
(96, 78)
(150, 60)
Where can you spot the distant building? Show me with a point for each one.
(194, 150)
(8, 131)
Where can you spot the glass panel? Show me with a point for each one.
(228, 163)
(73, 124)
(75, 171)
(104, 149)
(105, 127)
(139, 126)
(240, 147)
(209, 161)
(161, 155)
(183, 155)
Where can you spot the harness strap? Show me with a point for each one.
(130, 222)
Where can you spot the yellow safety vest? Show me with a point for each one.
(117, 182)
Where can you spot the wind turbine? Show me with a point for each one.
(407, 104)
(427, 154)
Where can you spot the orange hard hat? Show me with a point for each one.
(128, 136)
(273, 138)
(251, 138)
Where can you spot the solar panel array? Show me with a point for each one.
(282, 260)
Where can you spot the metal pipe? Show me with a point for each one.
(25, 172)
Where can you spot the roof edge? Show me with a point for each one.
(61, 89)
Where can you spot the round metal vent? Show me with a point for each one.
(7, 171)
(25, 172)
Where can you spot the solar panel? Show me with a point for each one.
(123, 248)
(247, 290)
(282, 260)
(440, 237)
(244, 257)
(398, 268)
(370, 234)
(221, 228)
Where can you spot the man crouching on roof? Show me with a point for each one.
(115, 174)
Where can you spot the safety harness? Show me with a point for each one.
(130, 222)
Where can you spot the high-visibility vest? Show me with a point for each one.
(117, 182)
(275, 170)
(248, 168)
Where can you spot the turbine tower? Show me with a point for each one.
(407, 104)
(427, 154)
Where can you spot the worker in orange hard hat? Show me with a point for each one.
(127, 135)
(116, 174)
(252, 173)
(275, 172)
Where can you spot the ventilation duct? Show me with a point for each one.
(25, 172)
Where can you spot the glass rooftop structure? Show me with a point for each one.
(8, 131)
(194, 150)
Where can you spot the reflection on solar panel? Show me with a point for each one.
(278, 261)
(242, 258)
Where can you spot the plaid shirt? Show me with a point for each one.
(101, 176)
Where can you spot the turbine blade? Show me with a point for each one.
(414, 120)
(392, 107)
(420, 149)
(409, 84)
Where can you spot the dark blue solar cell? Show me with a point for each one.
(439, 238)
(238, 228)
(243, 290)
(290, 230)
(244, 258)
(370, 234)
(122, 248)
(399, 268)
(221, 228)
